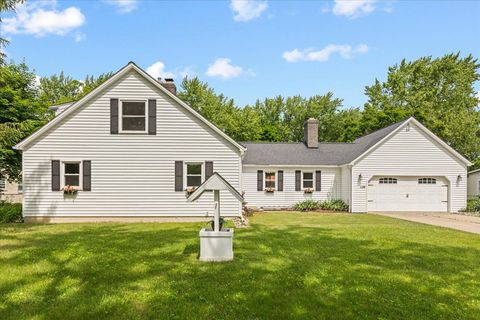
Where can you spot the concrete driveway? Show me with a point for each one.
(447, 220)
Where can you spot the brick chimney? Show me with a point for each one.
(169, 85)
(310, 133)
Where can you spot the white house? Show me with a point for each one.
(132, 147)
(473, 186)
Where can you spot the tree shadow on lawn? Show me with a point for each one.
(151, 271)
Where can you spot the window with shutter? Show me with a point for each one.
(194, 174)
(71, 174)
(133, 117)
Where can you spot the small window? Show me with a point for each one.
(307, 180)
(269, 179)
(133, 116)
(194, 174)
(2, 184)
(20, 187)
(71, 174)
(387, 181)
(427, 181)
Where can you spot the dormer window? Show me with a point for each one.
(133, 116)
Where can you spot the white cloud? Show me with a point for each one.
(42, 18)
(246, 10)
(187, 72)
(293, 56)
(79, 36)
(157, 70)
(124, 6)
(223, 68)
(345, 51)
(353, 8)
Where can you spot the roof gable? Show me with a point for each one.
(119, 74)
(424, 129)
(330, 154)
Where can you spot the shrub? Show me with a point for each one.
(307, 205)
(311, 205)
(334, 205)
(473, 205)
(10, 212)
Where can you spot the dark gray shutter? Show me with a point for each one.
(259, 180)
(280, 180)
(178, 175)
(152, 117)
(114, 116)
(318, 180)
(208, 169)
(298, 180)
(87, 175)
(55, 175)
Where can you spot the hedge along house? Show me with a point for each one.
(132, 148)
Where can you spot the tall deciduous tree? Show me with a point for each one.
(438, 92)
(21, 112)
(58, 89)
(240, 124)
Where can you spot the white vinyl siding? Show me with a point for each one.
(410, 153)
(288, 197)
(131, 175)
(346, 183)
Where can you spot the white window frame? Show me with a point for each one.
(80, 172)
(427, 181)
(20, 189)
(388, 180)
(265, 179)
(313, 180)
(185, 173)
(120, 118)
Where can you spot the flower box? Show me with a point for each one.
(190, 190)
(70, 190)
(269, 189)
(308, 190)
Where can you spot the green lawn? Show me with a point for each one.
(287, 265)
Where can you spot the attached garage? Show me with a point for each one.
(419, 193)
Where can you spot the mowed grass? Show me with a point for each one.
(287, 266)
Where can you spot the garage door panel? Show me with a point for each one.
(407, 194)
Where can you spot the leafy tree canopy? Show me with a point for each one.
(438, 92)
(21, 112)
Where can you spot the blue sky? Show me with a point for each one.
(244, 49)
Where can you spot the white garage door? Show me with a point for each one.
(407, 194)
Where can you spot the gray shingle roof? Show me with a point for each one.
(296, 153)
